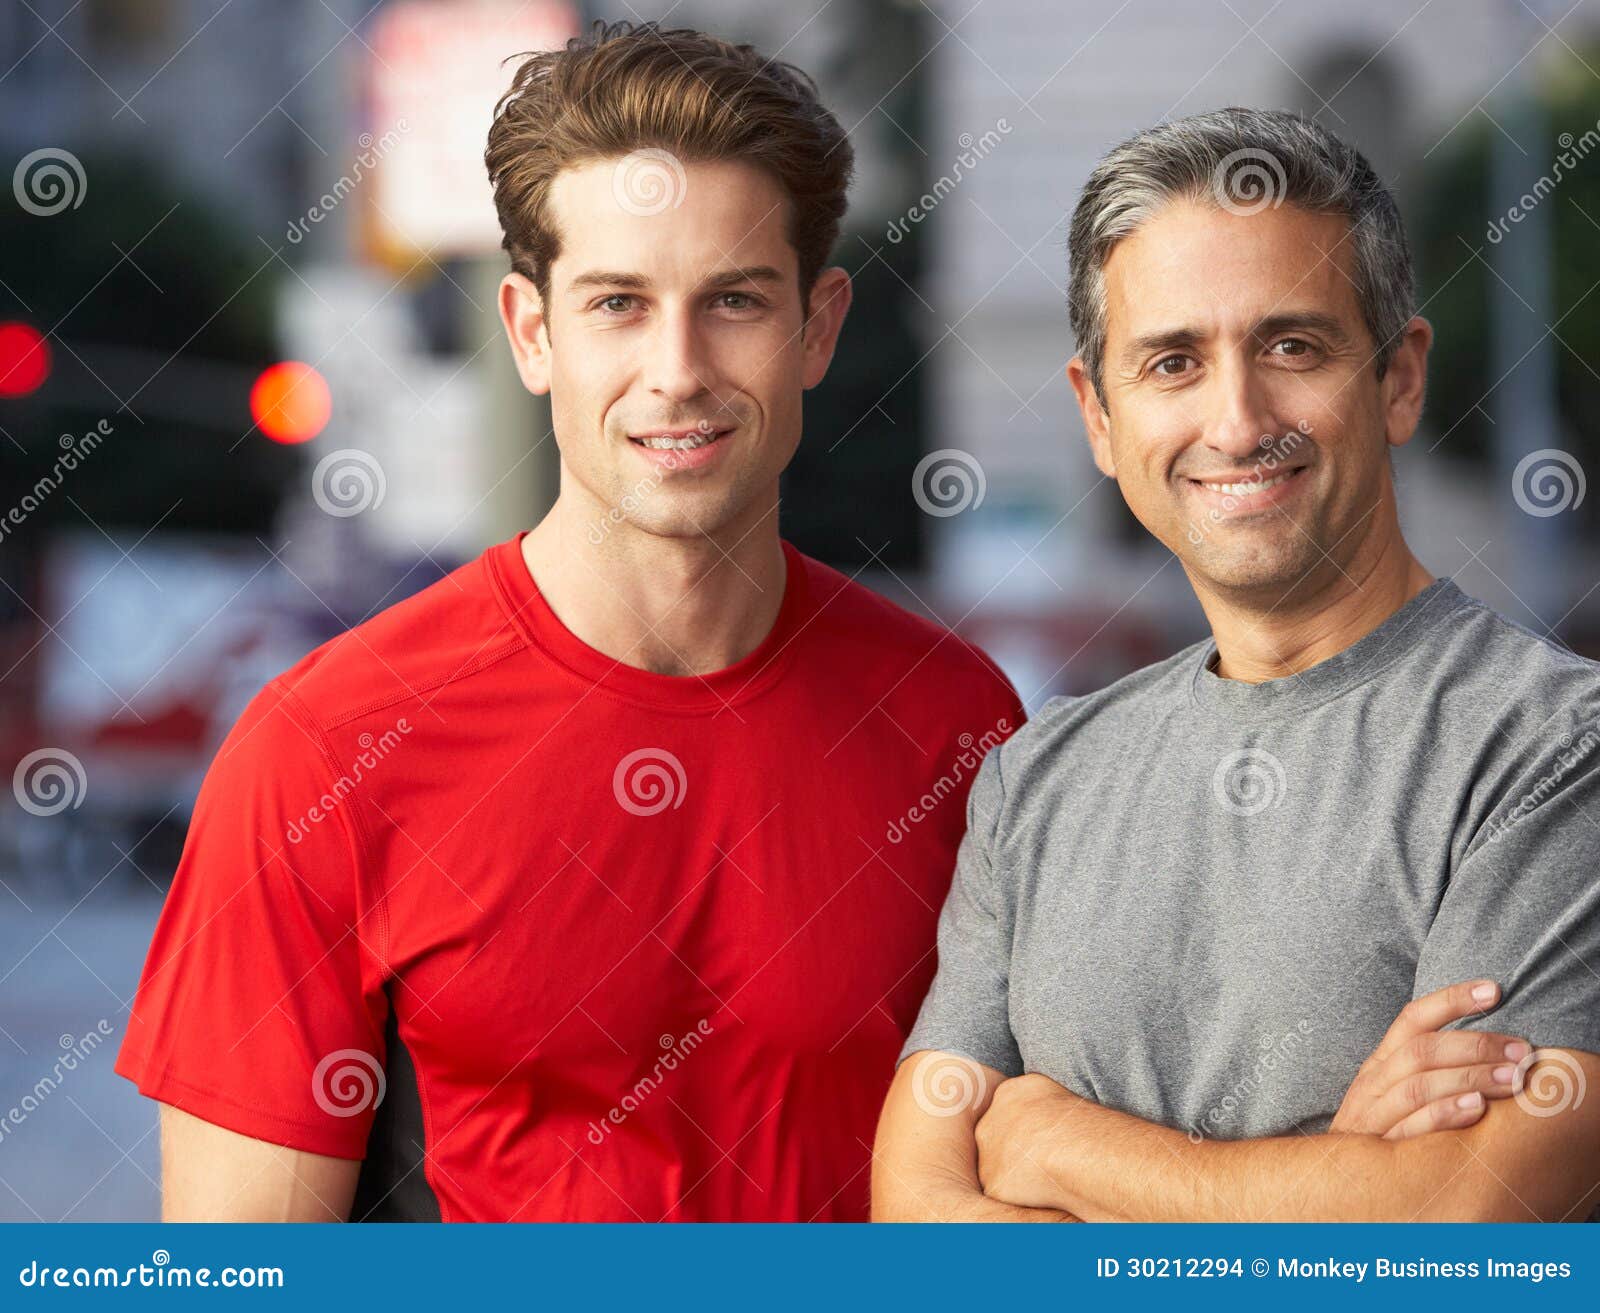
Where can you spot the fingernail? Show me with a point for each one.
(1470, 1102)
(1517, 1050)
(1484, 993)
(1503, 1075)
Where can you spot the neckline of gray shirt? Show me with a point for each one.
(1361, 661)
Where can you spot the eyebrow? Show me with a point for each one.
(761, 273)
(1185, 338)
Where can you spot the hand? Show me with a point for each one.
(1012, 1136)
(1421, 1078)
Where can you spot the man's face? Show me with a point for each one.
(673, 344)
(1246, 424)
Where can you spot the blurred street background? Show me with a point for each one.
(253, 388)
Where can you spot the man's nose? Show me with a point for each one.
(1240, 411)
(674, 365)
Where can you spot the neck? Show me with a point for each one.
(669, 605)
(1333, 607)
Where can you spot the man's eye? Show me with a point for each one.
(738, 301)
(617, 303)
(1171, 365)
(1293, 346)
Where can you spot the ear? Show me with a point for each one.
(1406, 380)
(1096, 423)
(830, 301)
(522, 312)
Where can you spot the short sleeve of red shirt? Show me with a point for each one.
(261, 1008)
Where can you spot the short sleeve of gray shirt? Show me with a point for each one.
(1523, 907)
(965, 1011)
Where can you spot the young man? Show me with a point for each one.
(1188, 906)
(561, 890)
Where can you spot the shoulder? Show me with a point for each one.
(1140, 694)
(1093, 726)
(924, 658)
(449, 631)
(1480, 645)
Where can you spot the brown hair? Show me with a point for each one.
(627, 87)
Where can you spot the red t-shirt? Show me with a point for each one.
(542, 936)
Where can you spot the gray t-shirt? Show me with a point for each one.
(1203, 902)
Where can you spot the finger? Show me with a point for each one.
(1431, 1011)
(1492, 1080)
(1440, 1049)
(1448, 1114)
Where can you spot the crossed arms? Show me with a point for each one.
(1409, 1142)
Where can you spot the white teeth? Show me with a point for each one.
(688, 443)
(1247, 489)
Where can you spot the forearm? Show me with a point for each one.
(1104, 1165)
(906, 1194)
(925, 1164)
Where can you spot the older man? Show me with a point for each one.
(1188, 907)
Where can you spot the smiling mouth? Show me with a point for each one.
(689, 441)
(1248, 487)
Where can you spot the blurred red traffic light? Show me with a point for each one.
(290, 402)
(24, 359)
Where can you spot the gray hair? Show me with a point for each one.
(1243, 160)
